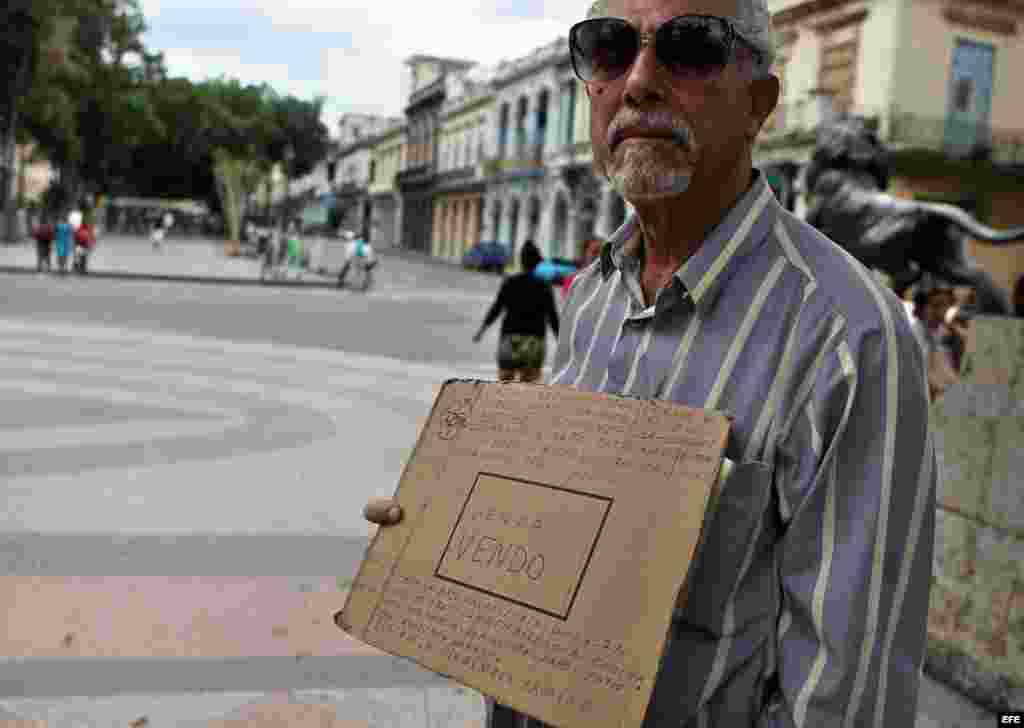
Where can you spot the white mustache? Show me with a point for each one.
(648, 122)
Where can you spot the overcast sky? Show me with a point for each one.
(350, 52)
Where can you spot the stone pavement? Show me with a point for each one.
(191, 646)
(187, 259)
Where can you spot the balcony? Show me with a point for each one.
(568, 155)
(794, 125)
(457, 175)
(957, 140)
(530, 159)
(415, 175)
(434, 88)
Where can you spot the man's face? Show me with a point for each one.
(719, 117)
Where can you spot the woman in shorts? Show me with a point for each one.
(529, 307)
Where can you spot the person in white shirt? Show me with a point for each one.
(356, 249)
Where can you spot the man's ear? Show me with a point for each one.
(764, 97)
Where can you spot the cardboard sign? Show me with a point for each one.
(546, 538)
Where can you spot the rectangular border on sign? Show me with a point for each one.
(586, 564)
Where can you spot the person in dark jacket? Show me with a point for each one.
(529, 307)
(44, 234)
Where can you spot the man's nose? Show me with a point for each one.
(645, 80)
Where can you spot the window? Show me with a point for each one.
(777, 120)
(838, 70)
(503, 131)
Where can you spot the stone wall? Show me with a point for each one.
(976, 624)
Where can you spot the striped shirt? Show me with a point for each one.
(808, 602)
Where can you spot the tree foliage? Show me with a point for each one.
(101, 106)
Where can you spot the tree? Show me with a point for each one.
(297, 124)
(114, 102)
(23, 30)
(237, 179)
(112, 121)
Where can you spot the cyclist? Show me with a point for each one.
(358, 252)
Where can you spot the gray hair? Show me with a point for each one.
(753, 23)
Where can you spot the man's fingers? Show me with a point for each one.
(383, 512)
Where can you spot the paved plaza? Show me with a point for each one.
(183, 468)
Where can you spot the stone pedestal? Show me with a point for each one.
(976, 623)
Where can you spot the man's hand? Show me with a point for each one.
(383, 512)
(477, 337)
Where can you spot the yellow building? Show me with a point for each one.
(939, 79)
(459, 196)
(386, 160)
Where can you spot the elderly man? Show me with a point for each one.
(808, 602)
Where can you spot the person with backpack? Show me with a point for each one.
(85, 241)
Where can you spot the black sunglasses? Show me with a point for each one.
(692, 47)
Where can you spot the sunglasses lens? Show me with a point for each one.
(693, 47)
(602, 48)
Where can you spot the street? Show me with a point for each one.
(184, 467)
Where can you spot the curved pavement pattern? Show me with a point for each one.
(182, 519)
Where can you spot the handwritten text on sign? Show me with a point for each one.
(536, 559)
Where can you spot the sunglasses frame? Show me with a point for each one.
(731, 36)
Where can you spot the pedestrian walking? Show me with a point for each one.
(528, 304)
(156, 234)
(85, 242)
(295, 254)
(64, 239)
(807, 602)
(44, 234)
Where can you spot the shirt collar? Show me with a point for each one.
(706, 272)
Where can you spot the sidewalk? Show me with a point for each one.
(215, 651)
(195, 260)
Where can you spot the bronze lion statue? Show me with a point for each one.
(846, 181)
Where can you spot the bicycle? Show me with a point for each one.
(362, 271)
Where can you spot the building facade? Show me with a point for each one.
(938, 79)
(357, 135)
(416, 182)
(459, 197)
(386, 159)
(541, 185)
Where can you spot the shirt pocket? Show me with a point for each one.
(735, 525)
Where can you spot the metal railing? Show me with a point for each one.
(531, 157)
(795, 123)
(956, 139)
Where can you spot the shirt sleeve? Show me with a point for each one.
(856, 481)
(498, 306)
